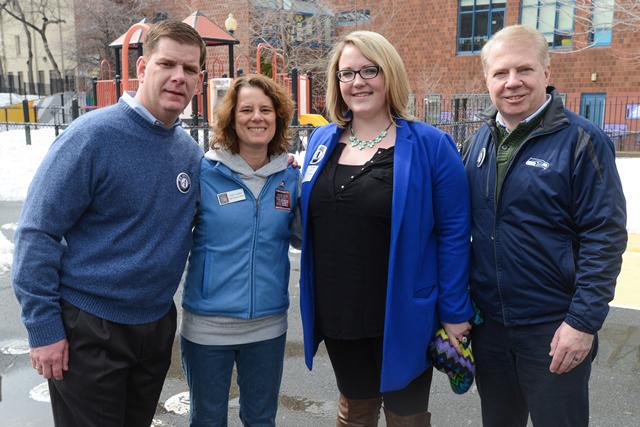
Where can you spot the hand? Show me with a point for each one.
(457, 333)
(569, 347)
(292, 161)
(50, 360)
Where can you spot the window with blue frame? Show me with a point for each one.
(601, 22)
(552, 18)
(478, 20)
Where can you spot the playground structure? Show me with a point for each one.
(107, 90)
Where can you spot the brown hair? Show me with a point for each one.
(174, 30)
(381, 52)
(225, 135)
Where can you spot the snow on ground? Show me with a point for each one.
(18, 163)
(7, 99)
(6, 254)
(629, 170)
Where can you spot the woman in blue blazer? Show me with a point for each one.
(385, 238)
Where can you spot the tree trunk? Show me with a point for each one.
(45, 43)
(42, 31)
(31, 86)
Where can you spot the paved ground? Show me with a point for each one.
(307, 398)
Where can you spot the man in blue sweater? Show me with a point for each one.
(103, 239)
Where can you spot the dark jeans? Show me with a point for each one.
(208, 371)
(116, 371)
(357, 365)
(513, 378)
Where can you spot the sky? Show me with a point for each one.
(18, 163)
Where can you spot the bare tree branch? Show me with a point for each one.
(15, 4)
(99, 22)
(304, 38)
(43, 16)
(591, 16)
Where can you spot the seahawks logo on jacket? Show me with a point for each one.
(537, 163)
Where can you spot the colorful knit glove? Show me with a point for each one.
(459, 368)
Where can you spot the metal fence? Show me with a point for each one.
(200, 132)
(617, 116)
(16, 84)
(15, 116)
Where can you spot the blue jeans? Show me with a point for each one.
(208, 371)
(514, 381)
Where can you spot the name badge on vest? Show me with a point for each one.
(308, 175)
(282, 198)
(231, 197)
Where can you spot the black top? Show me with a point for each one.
(350, 213)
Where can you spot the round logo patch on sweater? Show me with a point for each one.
(183, 182)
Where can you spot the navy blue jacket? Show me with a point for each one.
(550, 248)
(429, 253)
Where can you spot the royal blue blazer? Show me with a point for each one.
(429, 253)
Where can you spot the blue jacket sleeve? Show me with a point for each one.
(58, 195)
(452, 223)
(600, 221)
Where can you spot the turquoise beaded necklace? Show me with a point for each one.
(361, 143)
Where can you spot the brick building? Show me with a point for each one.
(592, 51)
(592, 47)
(302, 22)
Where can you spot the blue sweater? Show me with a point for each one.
(106, 225)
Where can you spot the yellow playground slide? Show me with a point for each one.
(312, 120)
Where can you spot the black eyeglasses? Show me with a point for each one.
(367, 73)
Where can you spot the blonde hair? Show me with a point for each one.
(225, 135)
(378, 50)
(520, 33)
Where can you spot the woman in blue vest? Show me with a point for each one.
(385, 214)
(236, 292)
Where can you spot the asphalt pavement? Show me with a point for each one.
(308, 398)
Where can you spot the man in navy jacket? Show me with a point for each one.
(548, 233)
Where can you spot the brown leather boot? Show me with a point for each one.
(422, 419)
(358, 412)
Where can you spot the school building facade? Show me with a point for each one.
(595, 54)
